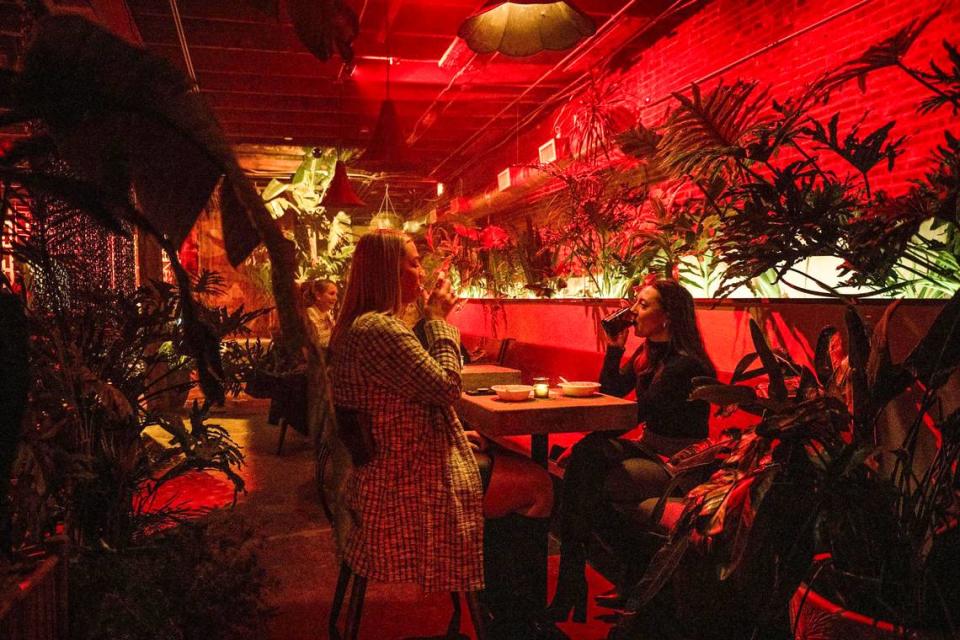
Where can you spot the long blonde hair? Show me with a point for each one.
(374, 280)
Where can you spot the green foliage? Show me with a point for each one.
(201, 580)
(810, 476)
(98, 374)
(324, 239)
(478, 261)
(759, 166)
(707, 135)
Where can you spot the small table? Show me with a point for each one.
(539, 418)
(475, 376)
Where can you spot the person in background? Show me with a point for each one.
(421, 487)
(319, 297)
(603, 469)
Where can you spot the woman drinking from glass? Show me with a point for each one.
(603, 469)
(416, 493)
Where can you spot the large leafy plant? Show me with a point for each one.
(324, 238)
(116, 138)
(760, 166)
(822, 470)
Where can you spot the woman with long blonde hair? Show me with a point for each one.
(417, 492)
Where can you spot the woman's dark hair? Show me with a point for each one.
(685, 337)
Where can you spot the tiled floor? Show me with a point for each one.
(282, 503)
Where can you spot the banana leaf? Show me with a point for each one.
(125, 118)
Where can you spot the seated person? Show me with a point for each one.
(603, 469)
(425, 505)
(319, 297)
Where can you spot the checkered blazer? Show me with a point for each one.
(418, 503)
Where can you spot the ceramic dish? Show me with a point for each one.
(512, 392)
(579, 389)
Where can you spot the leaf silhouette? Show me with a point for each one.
(777, 388)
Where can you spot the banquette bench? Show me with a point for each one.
(553, 361)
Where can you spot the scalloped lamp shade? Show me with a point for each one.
(525, 27)
(340, 194)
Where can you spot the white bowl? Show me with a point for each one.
(579, 389)
(512, 392)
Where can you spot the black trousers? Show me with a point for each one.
(603, 475)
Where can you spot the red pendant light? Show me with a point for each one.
(524, 27)
(340, 194)
(387, 151)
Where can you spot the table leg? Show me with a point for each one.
(539, 443)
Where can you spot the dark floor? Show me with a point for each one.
(298, 554)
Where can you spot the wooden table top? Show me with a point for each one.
(485, 375)
(557, 414)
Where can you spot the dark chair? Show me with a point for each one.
(355, 609)
(288, 405)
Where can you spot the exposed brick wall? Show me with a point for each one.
(786, 44)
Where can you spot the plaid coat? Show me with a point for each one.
(417, 505)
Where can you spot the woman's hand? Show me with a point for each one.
(620, 340)
(477, 441)
(441, 301)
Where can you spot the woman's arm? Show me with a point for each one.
(401, 364)
(614, 380)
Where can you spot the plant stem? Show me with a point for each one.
(919, 78)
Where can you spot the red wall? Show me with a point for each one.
(791, 325)
(785, 44)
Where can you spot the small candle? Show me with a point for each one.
(541, 387)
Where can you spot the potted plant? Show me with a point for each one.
(819, 475)
(81, 464)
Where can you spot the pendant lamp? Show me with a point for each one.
(524, 27)
(340, 194)
(388, 150)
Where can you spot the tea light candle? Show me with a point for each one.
(541, 387)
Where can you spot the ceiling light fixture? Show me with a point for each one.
(388, 150)
(524, 27)
(340, 194)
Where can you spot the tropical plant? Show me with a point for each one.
(543, 274)
(324, 239)
(201, 580)
(820, 474)
(480, 261)
(118, 139)
(760, 167)
(594, 218)
(594, 117)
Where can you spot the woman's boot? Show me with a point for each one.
(571, 594)
(515, 568)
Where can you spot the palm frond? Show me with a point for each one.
(707, 135)
(887, 53)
